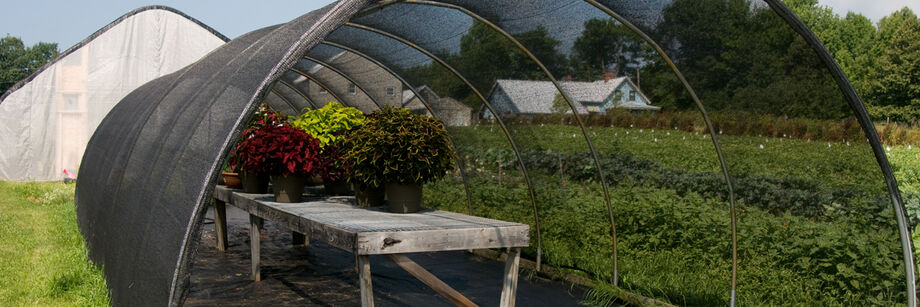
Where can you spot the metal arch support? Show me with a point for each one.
(322, 85)
(517, 151)
(865, 121)
(715, 137)
(288, 102)
(462, 165)
(571, 104)
(346, 76)
(292, 87)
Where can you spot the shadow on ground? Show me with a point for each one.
(322, 275)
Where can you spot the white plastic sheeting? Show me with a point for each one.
(46, 124)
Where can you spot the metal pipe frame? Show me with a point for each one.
(321, 84)
(708, 122)
(347, 77)
(567, 97)
(299, 92)
(462, 165)
(856, 104)
(286, 101)
(517, 151)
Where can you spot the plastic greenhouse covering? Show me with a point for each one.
(654, 165)
(54, 112)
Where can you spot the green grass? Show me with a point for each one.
(42, 256)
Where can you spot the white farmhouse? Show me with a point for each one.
(523, 97)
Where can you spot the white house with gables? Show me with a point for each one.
(536, 97)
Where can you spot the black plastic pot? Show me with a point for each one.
(314, 180)
(372, 196)
(254, 183)
(336, 187)
(288, 189)
(404, 198)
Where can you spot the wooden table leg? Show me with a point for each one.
(364, 275)
(220, 224)
(509, 286)
(255, 236)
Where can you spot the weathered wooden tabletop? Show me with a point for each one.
(368, 231)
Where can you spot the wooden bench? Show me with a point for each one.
(373, 231)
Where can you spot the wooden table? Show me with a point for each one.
(373, 231)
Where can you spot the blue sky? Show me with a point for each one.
(68, 22)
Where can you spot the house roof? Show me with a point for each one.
(408, 94)
(536, 97)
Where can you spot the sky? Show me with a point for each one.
(67, 22)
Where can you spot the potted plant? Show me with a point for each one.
(289, 155)
(328, 125)
(400, 151)
(230, 178)
(253, 176)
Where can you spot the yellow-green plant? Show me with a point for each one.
(328, 123)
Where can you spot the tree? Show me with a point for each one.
(18, 62)
(560, 106)
(486, 55)
(894, 82)
(604, 45)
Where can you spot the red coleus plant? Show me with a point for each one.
(280, 150)
(263, 117)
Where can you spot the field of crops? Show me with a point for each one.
(815, 225)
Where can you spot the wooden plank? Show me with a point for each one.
(364, 277)
(429, 279)
(509, 285)
(255, 205)
(371, 243)
(220, 224)
(255, 237)
(371, 231)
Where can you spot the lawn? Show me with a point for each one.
(43, 260)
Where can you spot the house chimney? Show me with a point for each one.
(609, 75)
(568, 78)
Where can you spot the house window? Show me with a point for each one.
(352, 89)
(391, 91)
(632, 95)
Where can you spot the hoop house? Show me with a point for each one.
(52, 114)
(701, 152)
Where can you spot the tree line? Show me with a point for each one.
(738, 55)
(18, 61)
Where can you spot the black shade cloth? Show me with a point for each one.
(149, 169)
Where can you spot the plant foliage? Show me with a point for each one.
(326, 124)
(398, 146)
(281, 150)
(264, 116)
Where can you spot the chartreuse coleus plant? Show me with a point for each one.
(397, 146)
(326, 124)
(329, 125)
